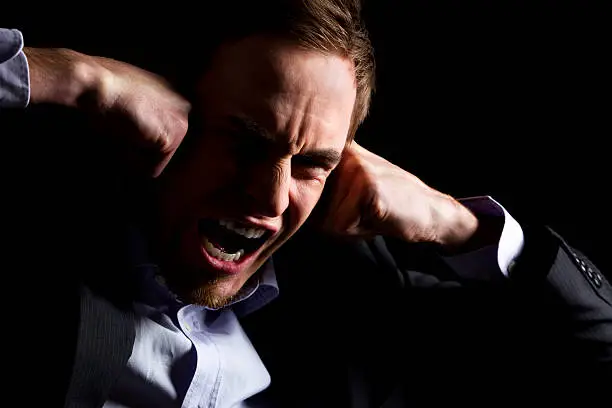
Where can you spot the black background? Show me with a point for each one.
(501, 98)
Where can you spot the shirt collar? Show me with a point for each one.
(260, 290)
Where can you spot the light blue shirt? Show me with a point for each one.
(14, 73)
(191, 356)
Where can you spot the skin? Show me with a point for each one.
(267, 131)
(301, 102)
(145, 117)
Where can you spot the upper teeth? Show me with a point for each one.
(245, 232)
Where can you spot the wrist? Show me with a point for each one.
(60, 76)
(456, 225)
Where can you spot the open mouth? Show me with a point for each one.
(228, 241)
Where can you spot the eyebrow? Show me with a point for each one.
(328, 158)
(251, 128)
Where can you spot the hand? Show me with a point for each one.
(148, 118)
(370, 196)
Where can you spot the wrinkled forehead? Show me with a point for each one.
(274, 81)
(276, 65)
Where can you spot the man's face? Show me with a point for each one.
(271, 123)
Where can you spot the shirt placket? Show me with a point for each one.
(204, 387)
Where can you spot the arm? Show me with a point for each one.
(31, 75)
(139, 108)
(477, 245)
(580, 295)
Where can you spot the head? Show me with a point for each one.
(274, 107)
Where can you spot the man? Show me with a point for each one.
(205, 316)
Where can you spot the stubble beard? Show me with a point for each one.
(209, 293)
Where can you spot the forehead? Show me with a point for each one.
(287, 89)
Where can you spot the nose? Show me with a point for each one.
(268, 188)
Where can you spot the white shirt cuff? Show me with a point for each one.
(511, 240)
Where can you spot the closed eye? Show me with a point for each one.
(312, 162)
(325, 159)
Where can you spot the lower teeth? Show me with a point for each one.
(220, 254)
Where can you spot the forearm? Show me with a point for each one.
(461, 230)
(60, 76)
(579, 294)
(47, 75)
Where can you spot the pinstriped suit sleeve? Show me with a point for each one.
(576, 285)
(556, 280)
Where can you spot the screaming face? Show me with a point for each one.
(272, 121)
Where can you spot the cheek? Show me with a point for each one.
(215, 166)
(304, 197)
(204, 170)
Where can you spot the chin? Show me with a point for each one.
(214, 258)
(208, 287)
(203, 287)
(214, 296)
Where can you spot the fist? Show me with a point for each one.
(137, 108)
(369, 196)
(144, 111)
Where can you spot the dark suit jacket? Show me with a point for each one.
(357, 324)
(374, 324)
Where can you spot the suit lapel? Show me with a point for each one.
(316, 339)
(105, 340)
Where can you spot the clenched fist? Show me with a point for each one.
(148, 118)
(371, 196)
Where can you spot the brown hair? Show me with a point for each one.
(335, 26)
(329, 26)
